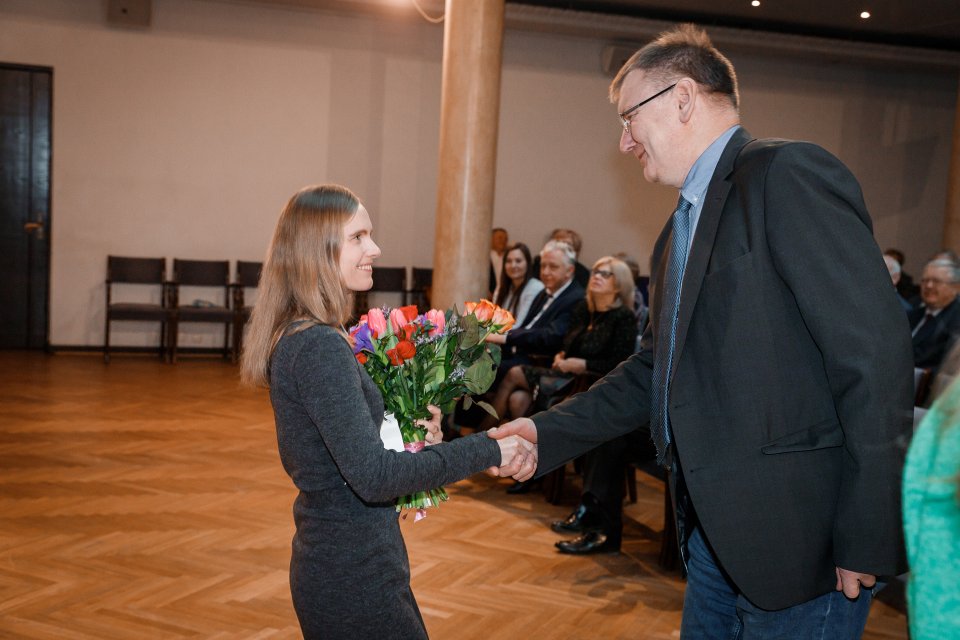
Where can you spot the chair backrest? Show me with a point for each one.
(248, 273)
(203, 273)
(422, 278)
(136, 270)
(389, 279)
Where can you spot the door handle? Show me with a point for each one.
(35, 229)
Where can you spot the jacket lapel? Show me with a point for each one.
(704, 236)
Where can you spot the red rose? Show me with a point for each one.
(362, 358)
(401, 353)
(406, 349)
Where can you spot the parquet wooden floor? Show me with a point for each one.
(142, 500)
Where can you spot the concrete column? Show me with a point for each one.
(469, 115)
(951, 218)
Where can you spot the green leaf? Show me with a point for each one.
(486, 406)
(480, 375)
(471, 331)
(467, 402)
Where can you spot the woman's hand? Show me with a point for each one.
(434, 430)
(571, 365)
(496, 338)
(558, 358)
(518, 457)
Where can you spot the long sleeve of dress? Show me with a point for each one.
(319, 387)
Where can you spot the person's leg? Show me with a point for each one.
(710, 600)
(831, 616)
(519, 403)
(513, 380)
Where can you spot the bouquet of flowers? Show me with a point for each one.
(433, 358)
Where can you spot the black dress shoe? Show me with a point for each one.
(589, 542)
(577, 522)
(522, 487)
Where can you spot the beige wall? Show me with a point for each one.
(185, 139)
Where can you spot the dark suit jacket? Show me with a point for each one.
(929, 349)
(546, 337)
(791, 390)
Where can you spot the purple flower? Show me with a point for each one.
(361, 340)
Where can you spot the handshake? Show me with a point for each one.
(518, 449)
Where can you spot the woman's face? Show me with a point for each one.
(602, 280)
(357, 252)
(516, 266)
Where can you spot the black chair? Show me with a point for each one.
(248, 277)
(420, 286)
(201, 273)
(145, 271)
(385, 280)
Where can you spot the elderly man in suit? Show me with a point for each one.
(549, 316)
(776, 370)
(936, 324)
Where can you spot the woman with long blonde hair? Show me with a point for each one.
(349, 574)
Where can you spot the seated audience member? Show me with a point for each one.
(602, 334)
(895, 272)
(499, 239)
(542, 331)
(935, 324)
(518, 286)
(581, 274)
(905, 287)
(639, 304)
(599, 516)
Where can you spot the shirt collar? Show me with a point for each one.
(698, 178)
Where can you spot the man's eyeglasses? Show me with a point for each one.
(603, 273)
(624, 115)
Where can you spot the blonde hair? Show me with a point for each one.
(301, 279)
(626, 289)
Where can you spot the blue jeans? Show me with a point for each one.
(713, 608)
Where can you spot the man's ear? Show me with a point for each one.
(686, 95)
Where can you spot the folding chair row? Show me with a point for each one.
(164, 305)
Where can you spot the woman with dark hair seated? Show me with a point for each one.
(603, 332)
(518, 284)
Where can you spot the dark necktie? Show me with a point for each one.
(667, 330)
(925, 328)
(536, 308)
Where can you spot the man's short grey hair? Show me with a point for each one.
(952, 268)
(563, 248)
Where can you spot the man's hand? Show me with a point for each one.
(523, 465)
(850, 581)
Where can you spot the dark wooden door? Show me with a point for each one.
(25, 112)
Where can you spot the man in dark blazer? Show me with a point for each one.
(936, 324)
(785, 402)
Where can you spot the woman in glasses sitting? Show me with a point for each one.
(602, 333)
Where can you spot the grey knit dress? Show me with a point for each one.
(349, 574)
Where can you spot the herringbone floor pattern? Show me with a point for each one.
(142, 500)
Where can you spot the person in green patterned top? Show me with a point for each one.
(931, 519)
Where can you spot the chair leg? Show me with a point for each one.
(106, 341)
(172, 337)
(226, 341)
(237, 338)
